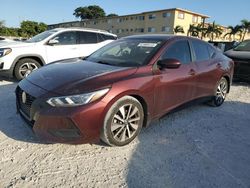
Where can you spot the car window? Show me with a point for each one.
(179, 50)
(87, 37)
(243, 46)
(211, 52)
(200, 50)
(134, 52)
(66, 38)
(42, 36)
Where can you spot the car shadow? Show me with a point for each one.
(199, 146)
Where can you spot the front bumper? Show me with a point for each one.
(72, 125)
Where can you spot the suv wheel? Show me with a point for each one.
(123, 122)
(24, 67)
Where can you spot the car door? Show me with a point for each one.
(64, 47)
(89, 42)
(175, 86)
(207, 68)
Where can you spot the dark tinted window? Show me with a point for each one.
(87, 38)
(179, 50)
(200, 50)
(66, 38)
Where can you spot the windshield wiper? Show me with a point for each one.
(104, 62)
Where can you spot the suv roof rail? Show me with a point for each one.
(88, 29)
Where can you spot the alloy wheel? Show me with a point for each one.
(125, 122)
(221, 91)
(27, 68)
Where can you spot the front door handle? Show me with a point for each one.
(192, 72)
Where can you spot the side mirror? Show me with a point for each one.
(53, 42)
(169, 64)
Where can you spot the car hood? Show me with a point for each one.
(15, 44)
(237, 54)
(76, 76)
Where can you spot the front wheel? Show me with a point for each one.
(123, 122)
(24, 67)
(221, 92)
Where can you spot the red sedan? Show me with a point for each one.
(122, 87)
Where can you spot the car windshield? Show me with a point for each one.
(243, 46)
(127, 52)
(41, 36)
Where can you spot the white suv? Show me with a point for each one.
(20, 58)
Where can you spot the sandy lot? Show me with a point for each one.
(200, 146)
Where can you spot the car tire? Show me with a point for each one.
(123, 122)
(24, 67)
(220, 93)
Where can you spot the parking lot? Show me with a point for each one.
(200, 146)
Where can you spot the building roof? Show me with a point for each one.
(136, 14)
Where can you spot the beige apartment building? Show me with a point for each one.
(159, 21)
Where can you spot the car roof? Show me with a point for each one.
(84, 29)
(163, 37)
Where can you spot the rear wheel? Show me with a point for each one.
(123, 122)
(24, 67)
(221, 92)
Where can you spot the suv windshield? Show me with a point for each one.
(41, 36)
(127, 52)
(243, 46)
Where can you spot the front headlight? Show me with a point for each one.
(5, 51)
(76, 100)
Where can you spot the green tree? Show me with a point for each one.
(178, 29)
(112, 15)
(194, 30)
(245, 26)
(234, 31)
(213, 30)
(31, 28)
(89, 12)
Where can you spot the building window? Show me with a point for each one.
(139, 30)
(131, 30)
(109, 21)
(166, 14)
(151, 30)
(131, 18)
(181, 15)
(195, 19)
(119, 20)
(152, 16)
(165, 29)
(141, 18)
(118, 31)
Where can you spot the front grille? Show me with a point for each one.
(24, 101)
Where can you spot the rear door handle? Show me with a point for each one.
(192, 72)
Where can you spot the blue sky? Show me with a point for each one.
(53, 11)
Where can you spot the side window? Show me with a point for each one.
(179, 50)
(211, 51)
(103, 37)
(200, 50)
(66, 38)
(87, 38)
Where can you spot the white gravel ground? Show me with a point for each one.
(200, 146)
